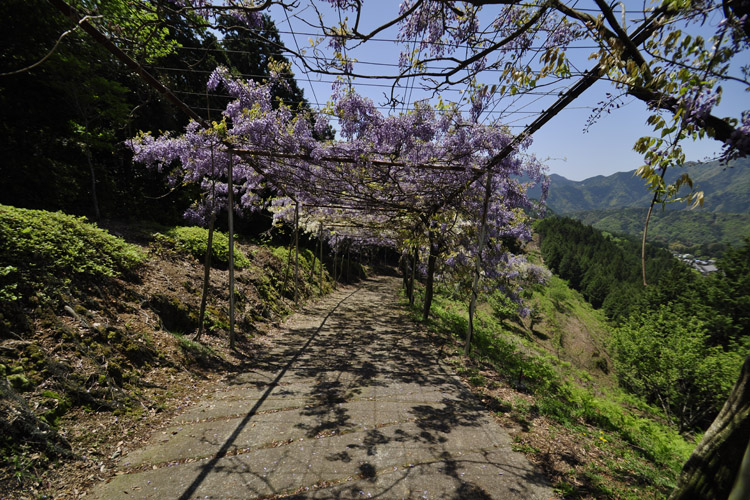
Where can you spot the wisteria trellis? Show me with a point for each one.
(411, 179)
(389, 174)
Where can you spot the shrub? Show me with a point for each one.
(665, 356)
(43, 253)
(194, 240)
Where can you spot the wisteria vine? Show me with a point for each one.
(387, 177)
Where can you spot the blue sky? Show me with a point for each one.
(568, 151)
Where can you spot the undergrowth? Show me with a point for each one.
(641, 455)
(45, 254)
(194, 241)
(86, 331)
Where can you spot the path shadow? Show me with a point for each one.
(211, 465)
(379, 348)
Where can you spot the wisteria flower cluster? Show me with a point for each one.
(389, 176)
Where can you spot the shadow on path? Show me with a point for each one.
(206, 469)
(350, 402)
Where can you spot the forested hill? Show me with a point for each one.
(618, 204)
(727, 189)
(696, 232)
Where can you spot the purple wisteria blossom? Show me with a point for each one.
(386, 177)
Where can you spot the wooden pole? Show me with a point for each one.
(335, 259)
(296, 251)
(478, 263)
(206, 276)
(231, 252)
(312, 268)
(320, 242)
(209, 248)
(288, 267)
(430, 282)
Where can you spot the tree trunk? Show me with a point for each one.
(714, 468)
(403, 266)
(478, 263)
(320, 241)
(311, 277)
(429, 284)
(414, 262)
(335, 261)
(741, 489)
(296, 252)
(209, 248)
(94, 198)
(288, 268)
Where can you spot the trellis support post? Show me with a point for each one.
(296, 251)
(231, 251)
(320, 243)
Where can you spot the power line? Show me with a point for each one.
(321, 109)
(359, 61)
(294, 37)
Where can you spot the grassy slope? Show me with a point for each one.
(95, 341)
(551, 385)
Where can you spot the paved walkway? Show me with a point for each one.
(351, 403)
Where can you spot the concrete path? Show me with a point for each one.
(351, 403)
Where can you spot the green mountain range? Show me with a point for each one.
(727, 189)
(618, 203)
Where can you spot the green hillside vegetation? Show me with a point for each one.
(606, 269)
(98, 330)
(45, 257)
(727, 187)
(194, 241)
(697, 232)
(625, 395)
(678, 343)
(549, 378)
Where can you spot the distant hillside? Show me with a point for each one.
(686, 231)
(618, 204)
(727, 189)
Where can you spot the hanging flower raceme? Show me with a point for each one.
(386, 174)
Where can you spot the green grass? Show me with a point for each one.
(646, 455)
(309, 267)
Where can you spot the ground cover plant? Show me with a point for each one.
(194, 241)
(107, 350)
(44, 254)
